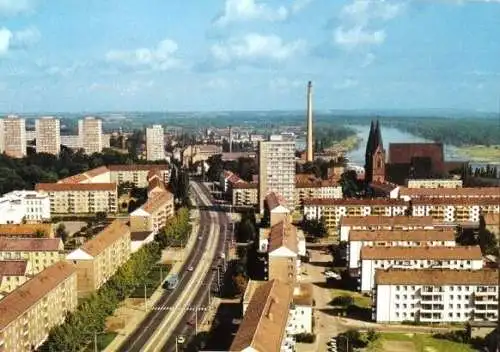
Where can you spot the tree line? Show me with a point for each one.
(176, 231)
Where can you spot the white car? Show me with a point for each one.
(332, 275)
(190, 268)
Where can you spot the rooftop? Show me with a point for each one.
(436, 277)
(13, 267)
(398, 235)
(458, 192)
(30, 244)
(457, 201)
(138, 167)
(273, 200)
(27, 230)
(409, 253)
(157, 201)
(355, 202)
(375, 220)
(283, 234)
(303, 294)
(264, 323)
(105, 238)
(77, 187)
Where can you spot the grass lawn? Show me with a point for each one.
(103, 341)
(394, 342)
(152, 281)
(481, 152)
(359, 300)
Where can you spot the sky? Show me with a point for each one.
(211, 55)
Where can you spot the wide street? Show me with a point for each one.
(168, 318)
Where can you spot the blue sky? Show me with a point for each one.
(119, 55)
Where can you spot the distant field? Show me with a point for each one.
(397, 342)
(482, 153)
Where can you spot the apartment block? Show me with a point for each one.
(277, 171)
(13, 136)
(99, 258)
(276, 209)
(27, 230)
(434, 183)
(39, 252)
(309, 187)
(154, 214)
(13, 273)
(284, 245)
(29, 313)
(333, 210)
(137, 174)
(265, 321)
(450, 193)
(395, 238)
(193, 154)
(80, 198)
(155, 143)
(458, 257)
(245, 194)
(455, 210)
(376, 222)
(90, 135)
(48, 135)
(435, 296)
(29, 206)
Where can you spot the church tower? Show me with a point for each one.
(375, 155)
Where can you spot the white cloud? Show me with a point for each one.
(346, 84)
(249, 10)
(299, 5)
(358, 36)
(19, 39)
(5, 40)
(162, 57)
(15, 7)
(255, 46)
(362, 11)
(280, 85)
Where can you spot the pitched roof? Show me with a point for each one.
(492, 219)
(13, 267)
(157, 201)
(273, 200)
(403, 153)
(456, 201)
(106, 237)
(85, 176)
(303, 294)
(436, 277)
(437, 253)
(20, 300)
(155, 183)
(138, 167)
(311, 181)
(245, 185)
(64, 187)
(393, 221)
(30, 244)
(368, 202)
(25, 230)
(395, 235)
(264, 323)
(461, 192)
(283, 234)
(153, 173)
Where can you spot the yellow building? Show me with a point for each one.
(137, 174)
(28, 313)
(455, 210)
(308, 186)
(26, 230)
(153, 215)
(99, 258)
(245, 194)
(80, 198)
(434, 183)
(13, 273)
(39, 252)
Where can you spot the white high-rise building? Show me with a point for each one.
(13, 136)
(155, 143)
(90, 135)
(277, 171)
(48, 135)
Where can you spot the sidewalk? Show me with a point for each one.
(132, 309)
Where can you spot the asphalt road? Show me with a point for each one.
(145, 330)
(186, 326)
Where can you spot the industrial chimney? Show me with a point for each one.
(310, 151)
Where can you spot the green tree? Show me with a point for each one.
(39, 233)
(61, 232)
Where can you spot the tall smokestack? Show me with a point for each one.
(310, 151)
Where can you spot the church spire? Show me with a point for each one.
(377, 137)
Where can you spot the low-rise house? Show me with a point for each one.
(332, 210)
(377, 222)
(28, 313)
(27, 230)
(99, 258)
(265, 321)
(39, 252)
(154, 214)
(459, 257)
(435, 296)
(396, 238)
(13, 273)
(80, 198)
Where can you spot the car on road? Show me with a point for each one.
(332, 275)
(200, 238)
(190, 268)
(181, 339)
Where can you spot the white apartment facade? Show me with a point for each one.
(34, 206)
(395, 238)
(434, 183)
(449, 193)
(90, 135)
(13, 136)
(455, 210)
(48, 135)
(435, 296)
(458, 257)
(155, 143)
(277, 171)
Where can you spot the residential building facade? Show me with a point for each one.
(29, 313)
(90, 135)
(155, 143)
(99, 258)
(27, 230)
(435, 296)
(34, 205)
(309, 187)
(245, 194)
(277, 171)
(154, 214)
(471, 193)
(434, 183)
(48, 135)
(13, 136)
(13, 273)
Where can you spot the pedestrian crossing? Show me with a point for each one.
(185, 308)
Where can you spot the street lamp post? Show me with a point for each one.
(145, 298)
